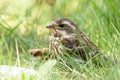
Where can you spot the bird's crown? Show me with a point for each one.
(61, 23)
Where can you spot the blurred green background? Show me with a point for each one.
(24, 19)
(22, 27)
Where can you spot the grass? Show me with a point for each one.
(22, 27)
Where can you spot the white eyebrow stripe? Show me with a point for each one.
(67, 23)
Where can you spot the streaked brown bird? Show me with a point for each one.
(66, 35)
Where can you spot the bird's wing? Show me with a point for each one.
(88, 42)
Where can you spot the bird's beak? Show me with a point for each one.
(50, 26)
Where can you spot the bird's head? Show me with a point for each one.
(63, 26)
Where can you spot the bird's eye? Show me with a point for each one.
(61, 25)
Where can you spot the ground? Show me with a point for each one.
(22, 27)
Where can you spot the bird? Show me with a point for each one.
(65, 35)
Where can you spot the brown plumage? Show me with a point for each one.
(66, 35)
